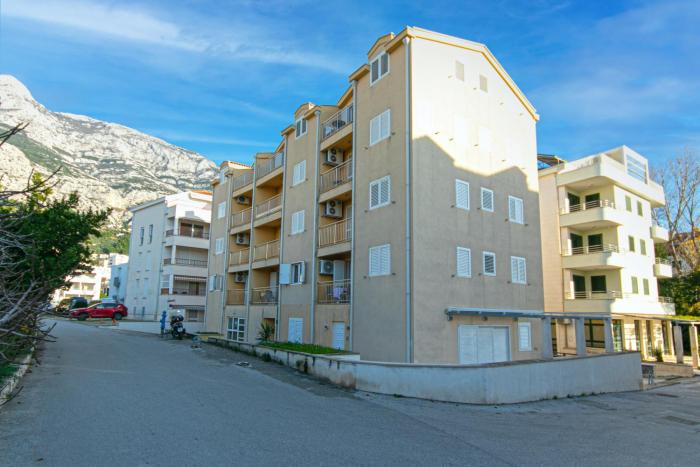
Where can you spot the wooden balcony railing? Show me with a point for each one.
(264, 295)
(241, 218)
(336, 176)
(339, 120)
(334, 291)
(269, 165)
(242, 180)
(269, 206)
(337, 232)
(239, 257)
(235, 297)
(197, 263)
(266, 251)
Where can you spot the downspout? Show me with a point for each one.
(278, 311)
(250, 248)
(227, 250)
(314, 239)
(409, 337)
(352, 221)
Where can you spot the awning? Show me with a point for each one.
(189, 278)
(468, 311)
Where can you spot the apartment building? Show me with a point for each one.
(168, 253)
(94, 284)
(119, 276)
(596, 215)
(401, 222)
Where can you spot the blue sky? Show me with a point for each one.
(223, 77)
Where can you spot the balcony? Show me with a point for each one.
(592, 215)
(337, 122)
(188, 233)
(239, 219)
(195, 263)
(335, 181)
(235, 297)
(268, 207)
(267, 166)
(659, 234)
(335, 238)
(245, 179)
(606, 256)
(617, 302)
(264, 295)
(266, 251)
(334, 291)
(663, 268)
(239, 257)
(192, 238)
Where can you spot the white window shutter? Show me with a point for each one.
(518, 270)
(285, 274)
(515, 210)
(302, 272)
(373, 194)
(461, 194)
(524, 337)
(384, 190)
(374, 128)
(302, 171)
(385, 121)
(487, 199)
(464, 262)
(384, 62)
(300, 221)
(489, 263)
(385, 259)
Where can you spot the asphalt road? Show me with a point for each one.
(106, 397)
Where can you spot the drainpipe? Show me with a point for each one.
(314, 250)
(278, 310)
(250, 248)
(227, 251)
(409, 337)
(352, 221)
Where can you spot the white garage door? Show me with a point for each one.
(483, 344)
(296, 327)
(338, 335)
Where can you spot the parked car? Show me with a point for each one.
(100, 310)
(67, 304)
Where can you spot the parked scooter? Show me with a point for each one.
(177, 327)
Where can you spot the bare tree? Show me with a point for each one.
(680, 178)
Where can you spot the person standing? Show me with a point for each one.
(162, 323)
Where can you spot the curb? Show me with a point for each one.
(17, 377)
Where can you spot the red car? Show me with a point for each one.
(100, 310)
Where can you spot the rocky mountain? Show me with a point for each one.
(108, 164)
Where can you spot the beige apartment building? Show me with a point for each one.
(401, 222)
(599, 259)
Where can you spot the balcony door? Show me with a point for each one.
(579, 286)
(592, 200)
(598, 284)
(595, 242)
(574, 202)
(576, 243)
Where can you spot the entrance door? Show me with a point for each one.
(338, 335)
(483, 344)
(579, 286)
(296, 327)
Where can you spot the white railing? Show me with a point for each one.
(664, 261)
(337, 232)
(336, 176)
(242, 180)
(665, 299)
(235, 297)
(268, 165)
(241, 218)
(192, 233)
(600, 203)
(268, 206)
(592, 295)
(590, 249)
(341, 119)
(197, 263)
(266, 251)
(239, 257)
(334, 291)
(264, 295)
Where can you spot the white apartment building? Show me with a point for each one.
(168, 257)
(119, 266)
(94, 284)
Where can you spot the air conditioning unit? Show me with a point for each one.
(325, 268)
(240, 277)
(333, 208)
(334, 156)
(242, 239)
(243, 199)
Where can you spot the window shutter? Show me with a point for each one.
(487, 199)
(459, 70)
(515, 210)
(483, 83)
(285, 274)
(298, 222)
(373, 194)
(374, 130)
(375, 70)
(461, 194)
(489, 263)
(524, 337)
(464, 262)
(302, 272)
(384, 190)
(379, 192)
(302, 171)
(380, 260)
(384, 58)
(373, 261)
(385, 259)
(385, 122)
(518, 270)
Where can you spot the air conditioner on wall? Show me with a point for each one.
(325, 267)
(240, 277)
(333, 208)
(334, 156)
(242, 239)
(243, 199)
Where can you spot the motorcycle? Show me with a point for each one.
(177, 327)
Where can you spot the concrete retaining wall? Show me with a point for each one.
(500, 383)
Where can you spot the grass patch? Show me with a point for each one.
(6, 371)
(305, 348)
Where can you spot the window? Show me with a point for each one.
(464, 262)
(484, 139)
(518, 270)
(483, 83)
(221, 211)
(379, 67)
(636, 168)
(236, 329)
(642, 247)
(165, 281)
(459, 70)
(297, 222)
(486, 199)
(297, 273)
(219, 246)
(380, 260)
(379, 192)
(489, 263)
(594, 330)
(462, 194)
(145, 286)
(142, 232)
(515, 210)
(379, 127)
(640, 208)
(150, 233)
(628, 203)
(214, 282)
(630, 243)
(645, 286)
(300, 127)
(525, 337)
(299, 174)
(635, 285)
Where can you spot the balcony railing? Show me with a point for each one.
(235, 297)
(592, 295)
(338, 121)
(264, 295)
(200, 292)
(664, 261)
(665, 299)
(239, 257)
(266, 251)
(336, 176)
(197, 263)
(186, 233)
(268, 165)
(241, 218)
(600, 203)
(590, 249)
(242, 180)
(334, 291)
(269, 206)
(337, 232)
